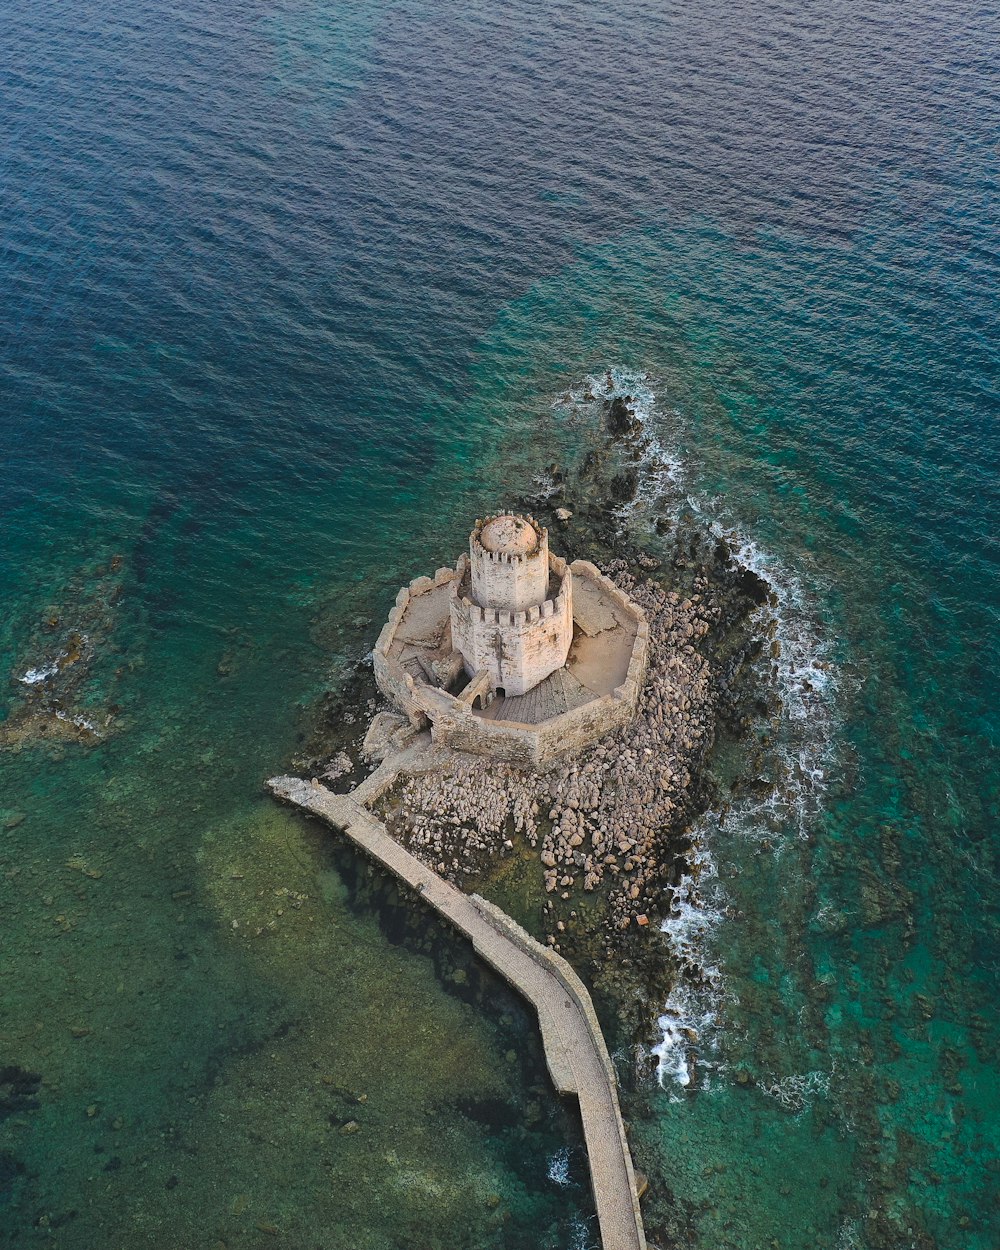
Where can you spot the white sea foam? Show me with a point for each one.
(558, 1169)
(34, 676)
(797, 1091)
(687, 1026)
(661, 476)
(849, 1236)
(580, 1234)
(79, 722)
(805, 679)
(805, 682)
(690, 1014)
(660, 470)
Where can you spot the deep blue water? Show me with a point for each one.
(288, 293)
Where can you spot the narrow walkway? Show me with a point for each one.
(575, 1052)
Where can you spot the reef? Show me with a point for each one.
(70, 665)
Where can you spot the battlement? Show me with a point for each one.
(508, 562)
(503, 557)
(520, 645)
(510, 652)
(508, 538)
(537, 612)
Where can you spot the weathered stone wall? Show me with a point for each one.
(455, 725)
(626, 608)
(517, 649)
(560, 968)
(391, 678)
(578, 993)
(512, 583)
(525, 746)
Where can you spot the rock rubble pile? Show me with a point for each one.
(455, 818)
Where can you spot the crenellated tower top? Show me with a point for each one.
(509, 561)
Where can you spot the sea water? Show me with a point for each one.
(291, 292)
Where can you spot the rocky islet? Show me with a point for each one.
(596, 841)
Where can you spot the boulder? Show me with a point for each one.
(620, 418)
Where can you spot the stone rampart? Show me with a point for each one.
(575, 989)
(614, 595)
(455, 724)
(560, 968)
(527, 746)
(391, 678)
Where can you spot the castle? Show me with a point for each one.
(513, 653)
(512, 605)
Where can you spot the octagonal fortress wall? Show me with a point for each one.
(398, 685)
(455, 723)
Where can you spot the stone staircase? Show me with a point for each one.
(560, 692)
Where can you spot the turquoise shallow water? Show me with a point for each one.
(288, 290)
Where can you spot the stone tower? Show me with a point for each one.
(512, 610)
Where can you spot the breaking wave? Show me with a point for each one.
(78, 722)
(797, 1091)
(581, 1237)
(802, 673)
(35, 676)
(660, 469)
(799, 767)
(690, 1015)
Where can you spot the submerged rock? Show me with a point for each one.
(18, 1090)
(620, 418)
(625, 485)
